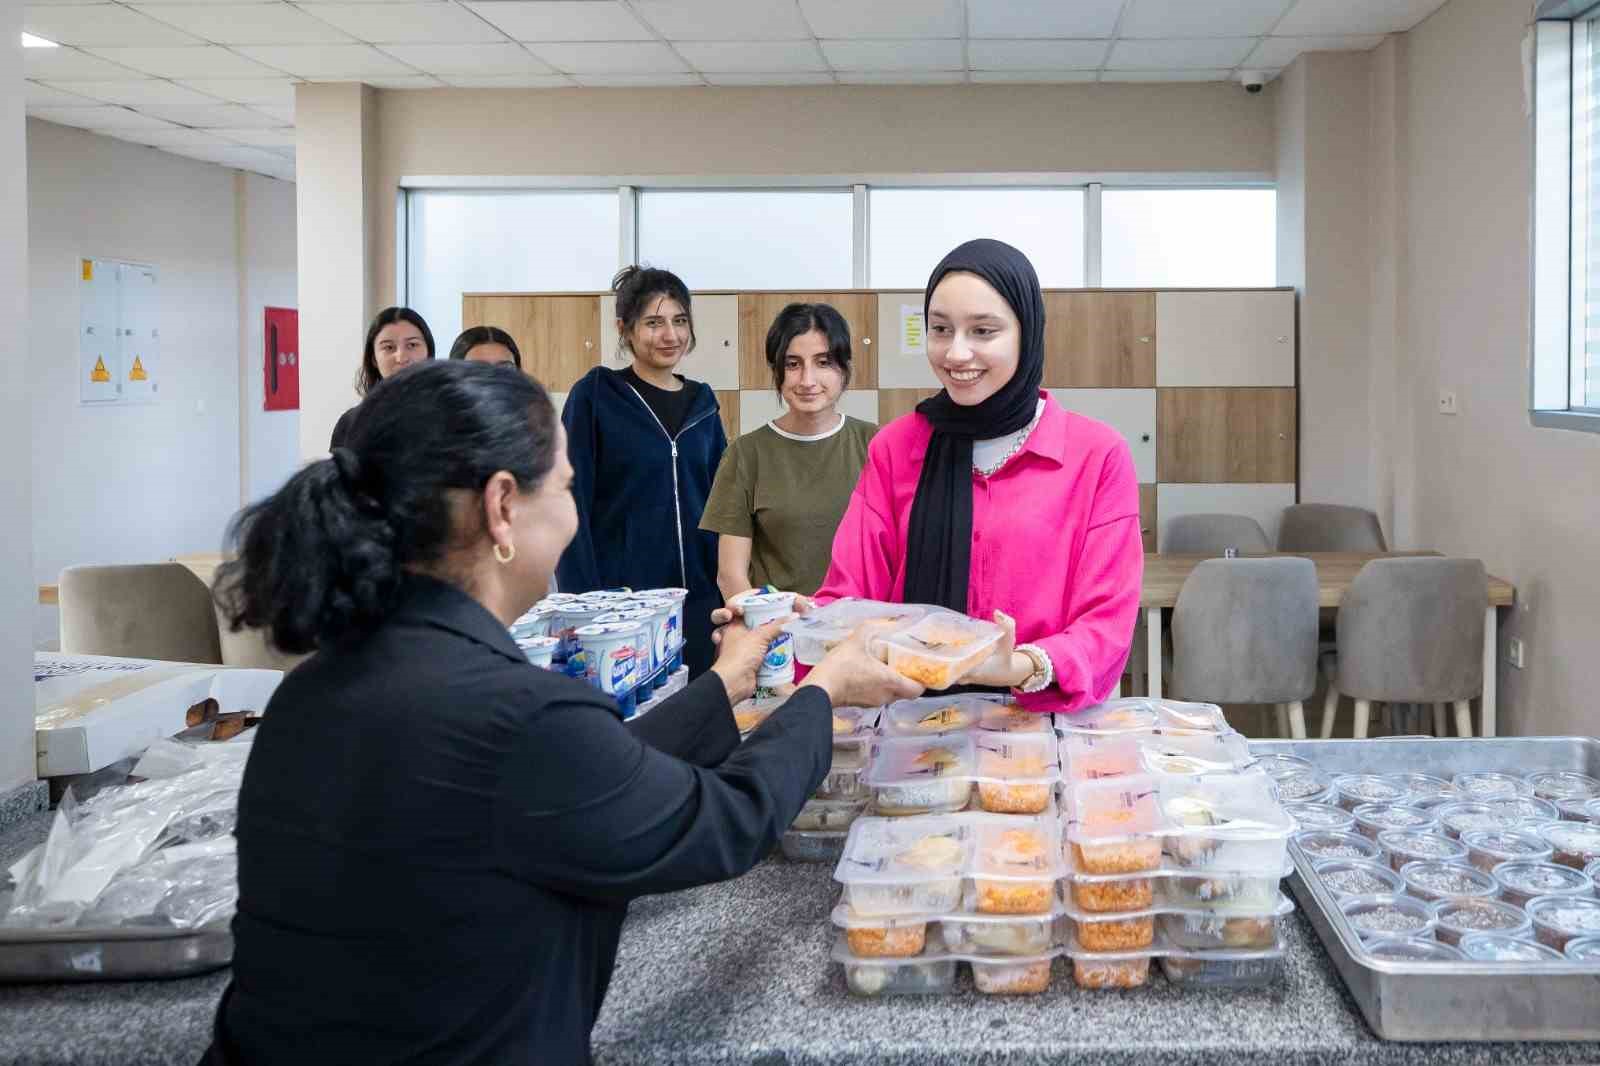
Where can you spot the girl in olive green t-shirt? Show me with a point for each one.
(782, 489)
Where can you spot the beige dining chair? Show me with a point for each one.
(140, 611)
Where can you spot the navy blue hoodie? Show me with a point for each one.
(631, 480)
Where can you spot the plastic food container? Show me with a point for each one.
(1115, 933)
(1462, 817)
(1353, 790)
(1017, 772)
(921, 775)
(892, 867)
(1224, 891)
(982, 934)
(851, 725)
(1497, 947)
(1327, 816)
(1206, 932)
(1410, 949)
(1126, 717)
(849, 757)
(1526, 811)
(1202, 972)
(1559, 919)
(1091, 757)
(1115, 826)
(824, 628)
(932, 716)
(1227, 822)
(1279, 765)
(1098, 973)
(1459, 917)
(1375, 818)
(1578, 810)
(896, 977)
(1176, 716)
(1323, 844)
(828, 815)
(1583, 949)
(748, 714)
(539, 650)
(1388, 916)
(1522, 881)
(800, 845)
(881, 938)
(940, 649)
(1593, 871)
(1411, 845)
(1563, 785)
(1015, 867)
(1194, 754)
(1022, 977)
(1436, 881)
(1423, 786)
(1350, 877)
(1488, 848)
(1009, 718)
(842, 783)
(1113, 894)
(1575, 844)
(1304, 786)
(1488, 784)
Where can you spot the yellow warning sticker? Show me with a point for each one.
(88, 270)
(100, 373)
(137, 373)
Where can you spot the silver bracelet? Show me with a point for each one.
(1045, 676)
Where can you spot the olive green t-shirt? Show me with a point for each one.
(788, 494)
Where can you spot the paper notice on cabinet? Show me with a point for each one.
(913, 331)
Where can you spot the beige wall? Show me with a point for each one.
(1484, 482)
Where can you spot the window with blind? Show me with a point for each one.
(1585, 349)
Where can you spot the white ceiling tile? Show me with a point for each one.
(69, 64)
(207, 61)
(325, 61)
(1032, 77)
(1043, 18)
(279, 92)
(99, 24)
(608, 58)
(279, 116)
(220, 116)
(1036, 55)
(236, 156)
(1214, 18)
(37, 95)
(1164, 75)
(901, 77)
(255, 23)
(884, 18)
(724, 20)
(894, 55)
(405, 84)
(99, 118)
(1179, 55)
(142, 94)
(1310, 18)
(752, 56)
(507, 81)
(474, 59)
(1281, 51)
(176, 137)
(563, 20)
(636, 81)
(275, 138)
(740, 80)
(430, 23)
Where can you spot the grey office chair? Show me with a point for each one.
(1329, 527)
(1212, 534)
(144, 611)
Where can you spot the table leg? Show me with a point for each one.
(1491, 655)
(1152, 628)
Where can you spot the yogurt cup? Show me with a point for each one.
(675, 623)
(759, 609)
(540, 651)
(536, 623)
(662, 611)
(568, 618)
(611, 660)
(644, 646)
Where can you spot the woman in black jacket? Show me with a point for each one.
(438, 841)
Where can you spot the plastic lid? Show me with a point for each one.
(1577, 838)
(1526, 810)
(836, 620)
(1464, 916)
(932, 715)
(1234, 807)
(1320, 816)
(851, 723)
(1112, 810)
(845, 917)
(1422, 845)
(1410, 949)
(1583, 949)
(1326, 844)
(1380, 816)
(913, 760)
(601, 630)
(1447, 880)
(1420, 785)
(943, 636)
(1009, 718)
(905, 850)
(1303, 786)
(1018, 849)
(1187, 754)
(1486, 784)
(1563, 784)
(1369, 788)
(1542, 879)
(1112, 717)
(538, 642)
(1278, 765)
(1463, 816)
(1506, 845)
(1353, 877)
(1175, 715)
(1498, 947)
(1090, 756)
(1388, 915)
(1567, 915)
(1578, 810)
(1017, 758)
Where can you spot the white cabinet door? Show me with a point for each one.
(903, 345)
(1225, 338)
(1131, 412)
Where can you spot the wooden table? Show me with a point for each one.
(1164, 576)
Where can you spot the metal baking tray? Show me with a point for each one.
(112, 954)
(1465, 1001)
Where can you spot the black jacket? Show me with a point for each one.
(438, 842)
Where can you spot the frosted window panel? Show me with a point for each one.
(913, 229)
(1189, 238)
(759, 239)
(496, 240)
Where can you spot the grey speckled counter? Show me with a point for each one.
(738, 973)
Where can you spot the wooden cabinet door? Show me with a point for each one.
(559, 336)
(758, 309)
(728, 402)
(1148, 524)
(1226, 339)
(892, 403)
(1099, 340)
(1225, 435)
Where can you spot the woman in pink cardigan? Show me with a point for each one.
(993, 500)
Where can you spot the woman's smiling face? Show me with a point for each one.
(974, 338)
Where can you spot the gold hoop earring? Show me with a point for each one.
(510, 554)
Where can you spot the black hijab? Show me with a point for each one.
(939, 542)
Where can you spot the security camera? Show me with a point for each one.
(1252, 80)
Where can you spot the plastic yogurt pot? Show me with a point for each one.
(759, 609)
(661, 611)
(536, 623)
(675, 623)
(568, 618)
(540, 651)
(643, 645)
(611, 658)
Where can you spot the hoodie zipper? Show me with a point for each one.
(677, 502)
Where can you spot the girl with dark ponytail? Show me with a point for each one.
(433, 835)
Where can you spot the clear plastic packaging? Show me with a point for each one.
(800, 845)
(1352, 877)
(1593, 871)
(842, 783)
(1188, 967)
(1497, 947)
(940, 648)
(1583, 949)
(1279, 765)
(899, 867)
(853, 725)
(1325, 816)
(1023, 977)
(1174, 888)
(849, 755)
(1192, 754)
(933, 715)
(1227, 822)
(921, 775)
(1578, 810)
(1526, 811)
(1432, 882)
(902, 977)
(983, 934)
(1115, 894)
(1423, 786)
(1204, 973)
(1488, 848)
(1410, 949)
(1091, 757)
(1411, 845)
(1010, 718)
(1304, 786)
(1321, 844)
(1015, 866)
(1115, 933)
(1017, 772)
(824, 628)
(1489, 784)
(1457, 918)
(1464, 816)
(1387, 916)
(1575, 844)
(881, 938)
(828, 815)
(1563, 785)
(1523, 881)
(1206, 932)
(1100, 973)
(1560, 919)
(749, 714)
(1115, 825)
(1124, 717)
(1178, 717)
(1354, 790)
(1375, 818)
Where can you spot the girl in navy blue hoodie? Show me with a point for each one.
(644, 444)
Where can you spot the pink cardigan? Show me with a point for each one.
(1055, 544)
